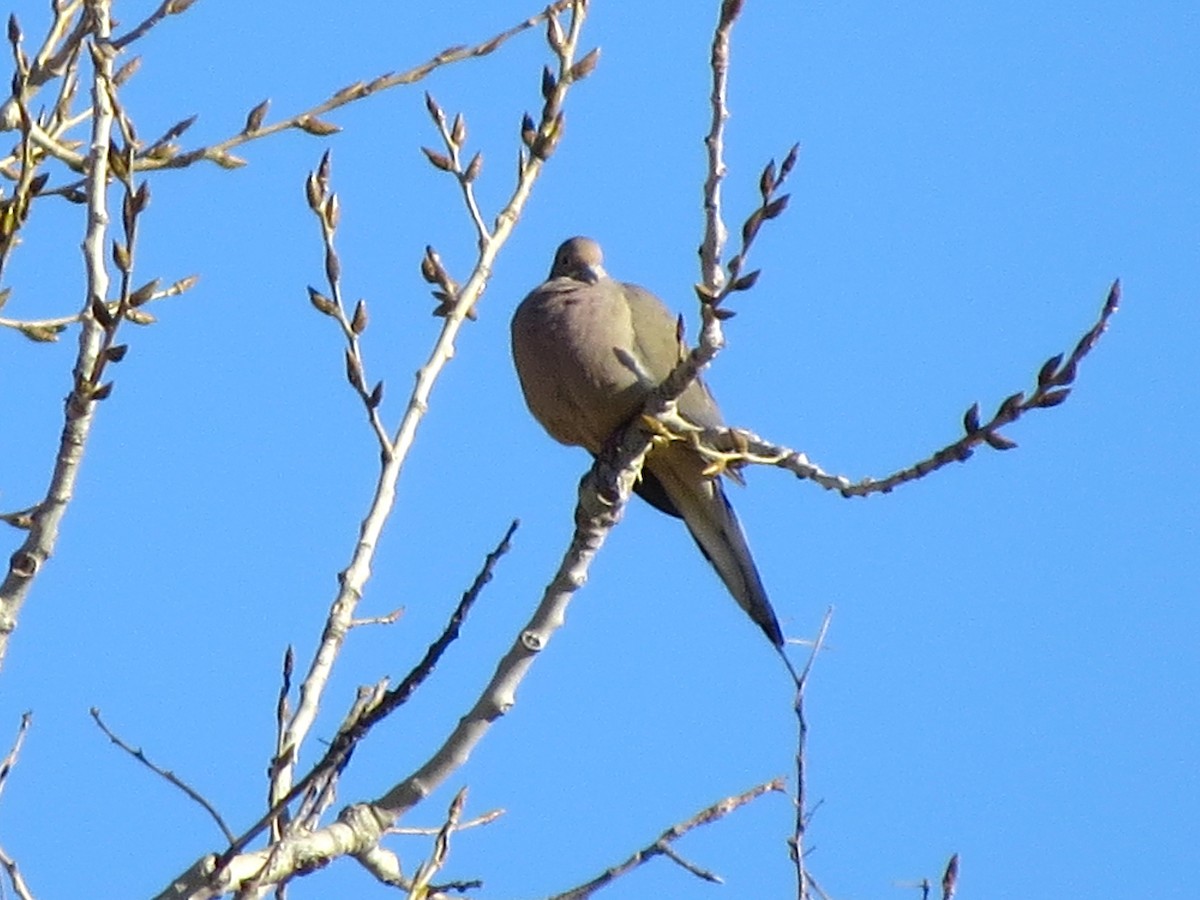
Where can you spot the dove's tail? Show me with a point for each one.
(700, 501)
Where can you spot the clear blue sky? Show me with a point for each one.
(1013, 670)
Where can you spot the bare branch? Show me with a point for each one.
(441, 846)
(486, 819)
(688, 866)
(370, 709)
(796, 841)
(711, 338)
(384, 865)
(81, 402)
(19, 885)
(58, 47)
(816, 888)
(390, 618)
(10, 760)
(167, 774)
(57, 57)
(14, 210)
(408, 685)
(51, 60)
(282, 714)
(166, 8)
(661, 847)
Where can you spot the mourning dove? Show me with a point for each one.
(588, 351)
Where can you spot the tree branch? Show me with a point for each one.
(19, 885)
(461, 302)
(734, 447)
(662, 846)
(46, 518)
(14, 753)
(796, 842)
(167, 774)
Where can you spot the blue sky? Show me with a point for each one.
(1012, 671)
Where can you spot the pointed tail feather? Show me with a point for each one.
(711, 520)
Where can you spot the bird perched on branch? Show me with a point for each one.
(588, 352)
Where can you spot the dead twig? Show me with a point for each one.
(662, 846)
(803, 814)
(486, 819)
(10, 759)
(282, 714)
(167, 774)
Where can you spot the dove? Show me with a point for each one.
(588, 351)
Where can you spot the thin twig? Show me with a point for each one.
(661, 846)
(48, 329)
(10, 760)
(486, 819)
(372, 708)
(441, 846)
(282, 714)
(50, 61)
(419, 673)
(453, 138)
(166, 8)
(689, 866)
(712, 278)
(140, 756)
(390, 618)
(324, 204)
(820, 891)
(796, 842)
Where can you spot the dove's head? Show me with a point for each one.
(579, 258)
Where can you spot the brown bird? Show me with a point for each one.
(588, 351)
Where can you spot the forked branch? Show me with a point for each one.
(662, 846)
